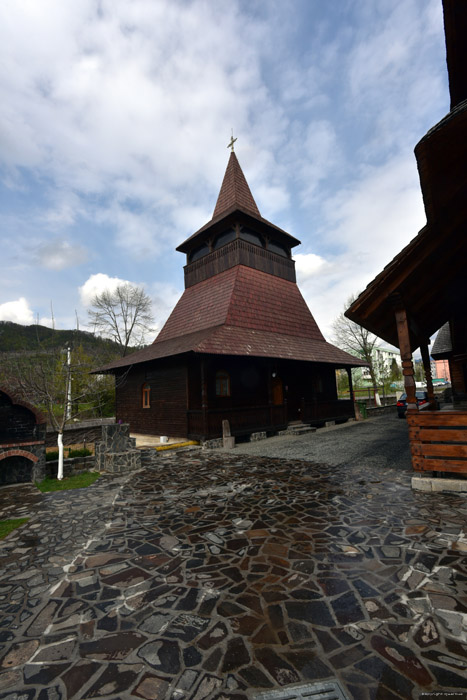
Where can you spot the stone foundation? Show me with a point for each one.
(261, 435)
(214, 444)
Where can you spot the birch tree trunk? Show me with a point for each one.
(60, 456)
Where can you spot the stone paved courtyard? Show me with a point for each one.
(223, 575)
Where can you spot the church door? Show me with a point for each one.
(277, 391)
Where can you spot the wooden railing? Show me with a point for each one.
(438, 440)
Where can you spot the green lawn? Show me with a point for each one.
(78, 481)
(7, 526)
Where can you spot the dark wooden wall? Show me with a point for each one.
(251, 383)
(168, 399)
(176, 387)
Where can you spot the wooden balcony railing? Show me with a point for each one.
(438, 440)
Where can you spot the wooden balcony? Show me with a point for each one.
(438, 440)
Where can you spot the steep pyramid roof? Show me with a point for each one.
(234, 192)
(242, 311)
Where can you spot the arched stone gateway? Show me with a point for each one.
(22, 441)
(16, 470)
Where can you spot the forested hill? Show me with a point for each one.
(16, 338)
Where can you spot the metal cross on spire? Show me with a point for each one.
(232, 141)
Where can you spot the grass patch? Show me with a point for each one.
(7, 526)
(77, 481)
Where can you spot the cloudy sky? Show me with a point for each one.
(114, 121)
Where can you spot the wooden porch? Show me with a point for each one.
(271, 418)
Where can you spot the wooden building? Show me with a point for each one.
(241, 343)
(425, 287)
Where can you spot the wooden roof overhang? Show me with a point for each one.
(243, 342)
(428, 278)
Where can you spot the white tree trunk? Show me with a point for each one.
(60, 456)
(377, 399)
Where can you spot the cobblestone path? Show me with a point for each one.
(222, 575)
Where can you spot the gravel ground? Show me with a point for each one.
(376, 442)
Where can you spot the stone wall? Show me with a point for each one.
(117, 452)
(74, 465)
(78, 433)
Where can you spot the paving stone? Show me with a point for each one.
(78, 676)
(282, 672)
(151, 688)
(116, 679)
(236, 655)
(162, 655)
(112, 647)
(272, 572)
(19, 654)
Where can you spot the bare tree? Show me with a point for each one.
(124, 315)
(59, 382)
(357, 341)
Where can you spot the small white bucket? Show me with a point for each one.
(164, 439)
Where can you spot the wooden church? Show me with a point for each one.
(241, 343)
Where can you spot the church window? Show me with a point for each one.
(278, 248)
(198, 253)
(146, 395)
(224, 238)
(251, 237)
(222, 383)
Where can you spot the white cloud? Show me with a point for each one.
(366, 225)
(308, 265)
(17, 311)
(96, 284)
(116, 117)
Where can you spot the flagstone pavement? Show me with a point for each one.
(222, 575)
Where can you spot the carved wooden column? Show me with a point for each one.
(427, 367)
(406, 355)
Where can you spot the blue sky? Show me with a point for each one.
(114, 122)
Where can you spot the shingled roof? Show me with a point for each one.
(242, 311)
(234, 192)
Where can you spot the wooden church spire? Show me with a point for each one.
(234, 192)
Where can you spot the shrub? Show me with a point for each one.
(52, 456)
(83, 452)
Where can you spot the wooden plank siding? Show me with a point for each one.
(166, 414)
(243, 420)
(438, 440)
(239, 252)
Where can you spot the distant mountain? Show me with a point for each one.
(17, 338)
